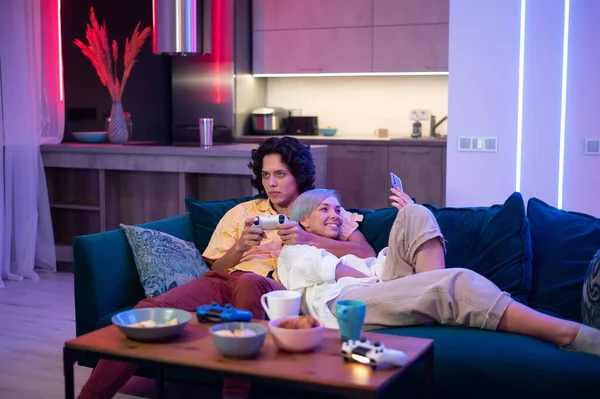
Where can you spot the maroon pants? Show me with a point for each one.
(242, 290)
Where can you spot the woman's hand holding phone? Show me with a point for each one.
(399, 198)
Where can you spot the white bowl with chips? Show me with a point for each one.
(296, 339)
(152, 324)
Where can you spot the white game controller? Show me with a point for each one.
(270, 222)
(374, 355)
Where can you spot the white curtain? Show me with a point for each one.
(32, 114)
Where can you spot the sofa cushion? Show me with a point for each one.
(494, 241)
(590, 301)
(563, 243)
(469, 361)
(163, 261)
(206, 215)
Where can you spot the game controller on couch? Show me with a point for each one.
(270, 222)
(216, 313)
(372, 354)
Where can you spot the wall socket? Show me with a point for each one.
(420, 114)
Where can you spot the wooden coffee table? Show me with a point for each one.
(322, 370)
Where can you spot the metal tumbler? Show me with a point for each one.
(206, 131)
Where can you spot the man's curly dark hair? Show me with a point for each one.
(294, 154)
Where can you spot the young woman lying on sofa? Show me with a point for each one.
(408, 284)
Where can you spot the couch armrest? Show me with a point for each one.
(106, 278)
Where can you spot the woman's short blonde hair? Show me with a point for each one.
(306, 202)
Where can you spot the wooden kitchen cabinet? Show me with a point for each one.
(360, 169)
(422, 170)
(313, 50)
(310, 14)
(359, 173)
(408, 12)
(410, 48)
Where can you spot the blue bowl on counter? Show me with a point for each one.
(90, 137)
(152, 324)
(328, 132)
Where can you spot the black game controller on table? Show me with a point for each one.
(216, 313)
(270, 222)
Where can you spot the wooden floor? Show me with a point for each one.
(36, 317)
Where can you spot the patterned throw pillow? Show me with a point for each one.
(590, 302)
(162, 260)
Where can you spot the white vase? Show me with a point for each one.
(117, 127)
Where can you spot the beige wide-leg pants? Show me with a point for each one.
(450, 296)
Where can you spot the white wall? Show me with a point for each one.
(483, 101)
(582, 172)
(359, 105)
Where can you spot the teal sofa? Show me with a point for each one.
(537, 253)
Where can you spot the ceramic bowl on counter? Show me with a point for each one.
(328, 131)
(90, 137)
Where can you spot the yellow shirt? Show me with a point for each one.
(262, 259)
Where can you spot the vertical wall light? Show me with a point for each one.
(520, 95)
(60, 62)
(563, 104)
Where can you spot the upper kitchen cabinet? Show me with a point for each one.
(350, 36)
(408, 12)
(313, 50)
(410, 48)
(311, 14)
(410, 36)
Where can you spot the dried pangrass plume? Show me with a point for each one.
(104, 58)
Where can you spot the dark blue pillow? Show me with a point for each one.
(590, 302)
(206, 215)
(563, 243)
(376, 225)
(493, 241)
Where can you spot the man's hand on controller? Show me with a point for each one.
(291, 233)
(251, 235)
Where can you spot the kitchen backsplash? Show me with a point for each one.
(359, 105)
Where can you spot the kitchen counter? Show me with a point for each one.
(356, 140)
(222, 159)
(95, 187)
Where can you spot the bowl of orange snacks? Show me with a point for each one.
(296, 333)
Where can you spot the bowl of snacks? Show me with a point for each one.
(238, 339)
(152, 324)
(297, 333)
(328, 130)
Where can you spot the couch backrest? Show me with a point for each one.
(563, 244)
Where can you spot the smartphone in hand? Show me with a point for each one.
(396, 182)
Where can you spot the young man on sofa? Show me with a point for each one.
(243, 257)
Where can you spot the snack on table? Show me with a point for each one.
(299, 323)
(246, 332)
(152, 323)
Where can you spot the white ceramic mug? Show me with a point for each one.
(281, 303)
